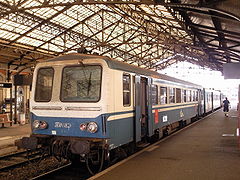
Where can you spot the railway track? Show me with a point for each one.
(67, 171)
(10, 161)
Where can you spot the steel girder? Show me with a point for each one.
(145, 33)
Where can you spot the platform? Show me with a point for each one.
(8, 135)
(207, 150)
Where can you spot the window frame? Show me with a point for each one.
(174, 89)
(190, 95)
(184, 95)
(156, 96)
(197, 95)
(178, 95)
(47, 67)
(165, 97)
(130, 91)
(193, 95)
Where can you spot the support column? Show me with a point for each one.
(15, 105)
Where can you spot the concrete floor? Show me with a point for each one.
(9, 134)
(208, 150)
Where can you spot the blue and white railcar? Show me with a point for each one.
(179, 102)
(83, 96)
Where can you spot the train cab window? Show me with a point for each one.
(163, 95)
(81, 83)
(178, 95)
(154, 94)
(171, 95)
(126, 90)
(44, 85)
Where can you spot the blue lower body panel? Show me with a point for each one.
(64, 126)
(172, 116)
(120, 131)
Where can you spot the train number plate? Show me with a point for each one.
(164, 119)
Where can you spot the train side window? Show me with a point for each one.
(193, 96)
(163, 95)
(126, 90)
(190, 95)
(184, 95)
(154, 94)
(171, 95)
(178, 95)
(196, 95)
(44, 85)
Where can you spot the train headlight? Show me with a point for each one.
(92, 127)
(83, 127)
(39, 124)
(36, 124)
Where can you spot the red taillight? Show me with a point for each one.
(83, 127)
(43, 125)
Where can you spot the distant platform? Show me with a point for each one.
(8, 135)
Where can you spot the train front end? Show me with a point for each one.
(68, 106)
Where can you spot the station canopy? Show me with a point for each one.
(146, 33)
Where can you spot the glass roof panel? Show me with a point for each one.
(14, 27)
(52, 47)
(69, 44)
(41, 34)
(27, 4)
(40, 37)
(78, 11)
(30, 41)
(7, 35)
(64, 20)
(55, 48)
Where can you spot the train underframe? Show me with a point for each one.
(95, 153)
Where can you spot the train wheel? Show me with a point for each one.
(130, 149)
(77, 161)
(95, 166)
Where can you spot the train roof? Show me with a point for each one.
(114, 64)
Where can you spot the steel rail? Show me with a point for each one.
(52, 172)
(21, 158)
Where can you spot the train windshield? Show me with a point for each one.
(81, 83)
(44, 84)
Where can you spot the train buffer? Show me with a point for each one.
(4, 119)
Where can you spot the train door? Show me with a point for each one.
(212, 101)
(200, 102)
(141, 117)
(204, 101)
